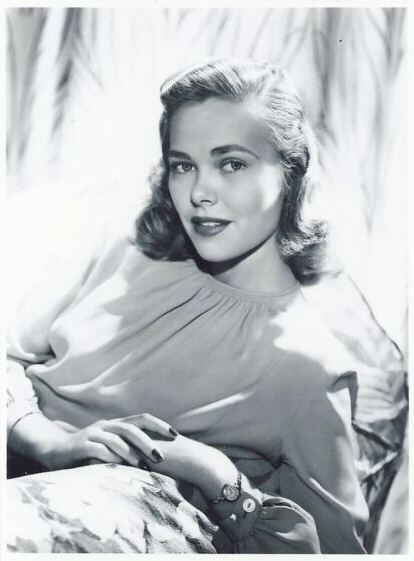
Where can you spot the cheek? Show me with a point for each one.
(262, 194)
(272, 185)
(178, 197)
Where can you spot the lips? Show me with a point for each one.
(209, 225)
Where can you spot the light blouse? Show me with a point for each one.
(121, 334)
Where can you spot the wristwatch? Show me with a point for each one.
(229, 493)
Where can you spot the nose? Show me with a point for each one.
(204, 192)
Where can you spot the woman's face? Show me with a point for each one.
(224, 178)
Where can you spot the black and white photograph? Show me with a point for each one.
(206, 279)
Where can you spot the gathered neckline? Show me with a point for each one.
(242, 293)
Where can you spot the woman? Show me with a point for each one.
(196, 351)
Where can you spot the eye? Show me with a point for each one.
(181, 168)
(231, 166)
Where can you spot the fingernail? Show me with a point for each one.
(173, 432)
(144, 465)
(157, 456)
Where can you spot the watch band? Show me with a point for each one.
(229, 493)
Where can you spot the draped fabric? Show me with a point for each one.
(103, 509)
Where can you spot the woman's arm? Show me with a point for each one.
(33, 435)
(36, 437)
(203, 466)
(21, 398)
(255, 522)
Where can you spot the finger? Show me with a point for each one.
(102, 453)
(117, 445)
(143, 465)
(147, 421)
(137, 438)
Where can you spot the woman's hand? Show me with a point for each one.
(116, 440)
(201, 465)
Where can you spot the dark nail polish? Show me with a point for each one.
(144, 465)
(157, 456)
(173, 432)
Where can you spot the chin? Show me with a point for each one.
(212, 256)
(217, 254)
(227, 254)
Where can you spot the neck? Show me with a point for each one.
(261, 270)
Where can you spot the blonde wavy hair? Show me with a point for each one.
(301, 240)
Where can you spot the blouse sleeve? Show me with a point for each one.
(44, 275)
(319, 469)
(33, 308)
(318, 506)
(262, 523)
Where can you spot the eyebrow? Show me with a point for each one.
(177, 154)
(232, 148)
(215, 151)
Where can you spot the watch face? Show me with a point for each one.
(231, 492)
